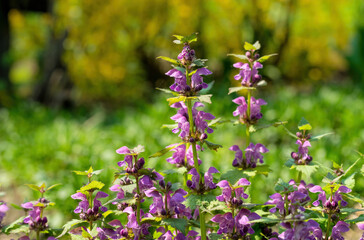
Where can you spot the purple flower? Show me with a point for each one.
(240, 223)
(3, 209)
(180, 156)
(302, 157)
(309, 230)
(339, 228)
(180, 84)
(295, 200)
(247, 75)
(195, 184)
(197, 80)
(332, 203)
(83, 208)
(34, 219)
(133, 223)
(252, 155)
(199, 118)
(232, 196)
(242, 109)
(187, 55)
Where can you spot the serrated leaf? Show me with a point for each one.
(16, 206)
(350, 181)
(318, 137)
(179, 37)
(209, 87)
(289, 163)
(205, 98)
(86, 234)
(290, 133)
(214, 122)
(14, 225)
(304, 125)
(69, 225)
(129, 188)
(266, 220)
(237, 89)
(176, 99)
(152, 220)
(84, 173)
(353, 198)
(180, 171)
(249, 46)
(177, 42)
(215, 236)
(138, 149)
(173, 61)
(232, 176)
(92, 186)
(165, 150)
(212, 146)
(282, 186)
(199, 62)
(130, 200)
(241, 56)
(308, 170)
(266, 57)
(53, 186)
(177, 223)
(107, 213)
(168, 91)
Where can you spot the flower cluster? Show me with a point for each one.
(242, 109)
(302, 157)
(333, 203)
(89, 212)
(199, 118)
(181, 158)
(253, 153)
(248, 73)
(197, 185)
(3, 209)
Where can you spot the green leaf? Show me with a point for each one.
(355, 220)
(257, 45)
(33, 186)
(215, 236)
(282, 186)
(176, 99)
(237, 89)
(215, 122)
(168, 91)
(206, 90)
(165, 150)
(152, 220)
(241, 56)
(69, 225)
(304, 125)
(86, 234)
(266, 57)
(205, 98)
(53, 186)
(16, 206)
(177, 223)
(308, 170)
(212, 146)
(137, 150)
(94, 185)
(129, 188)
(173, 61)
(185, 39)
(170, 126)
(199, 62)
(353, 198)
(318, 137)
(14, 225)
(350, 181)
(262, 83)
(249, 46)
(84, 173)
(266, 220)
(232, 176)
(289, 163)
(179, 171)
(130, 200)
(259, 126)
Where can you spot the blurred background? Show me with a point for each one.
(78, 79)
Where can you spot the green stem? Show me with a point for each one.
(202, 225)
(247, 125)
(138, 200)
(38, 235)
(299, 177)
(328, 227)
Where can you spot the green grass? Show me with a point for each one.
(40, 145)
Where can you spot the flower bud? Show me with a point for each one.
(248, 54)
(38, 219)
(299, 134)
(83, 216)
(308, 137)
(134, 170)
(45, 220)
(191, 140)
(257, 56)
(198, 88)
(95, 209)
(257, 77)
(203, 136)
(187, 88)
(169, 185)
(189, 183)
(309, 158)
(124, 232)
(140, 163)
(89, 211)
(163, 212)
(162, 183)
(295, 155)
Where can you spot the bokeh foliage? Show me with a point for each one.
(111, 46)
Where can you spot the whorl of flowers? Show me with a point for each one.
(253, 153)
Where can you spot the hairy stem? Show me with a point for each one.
(248, 119)
(138, 200)
(328, 227)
